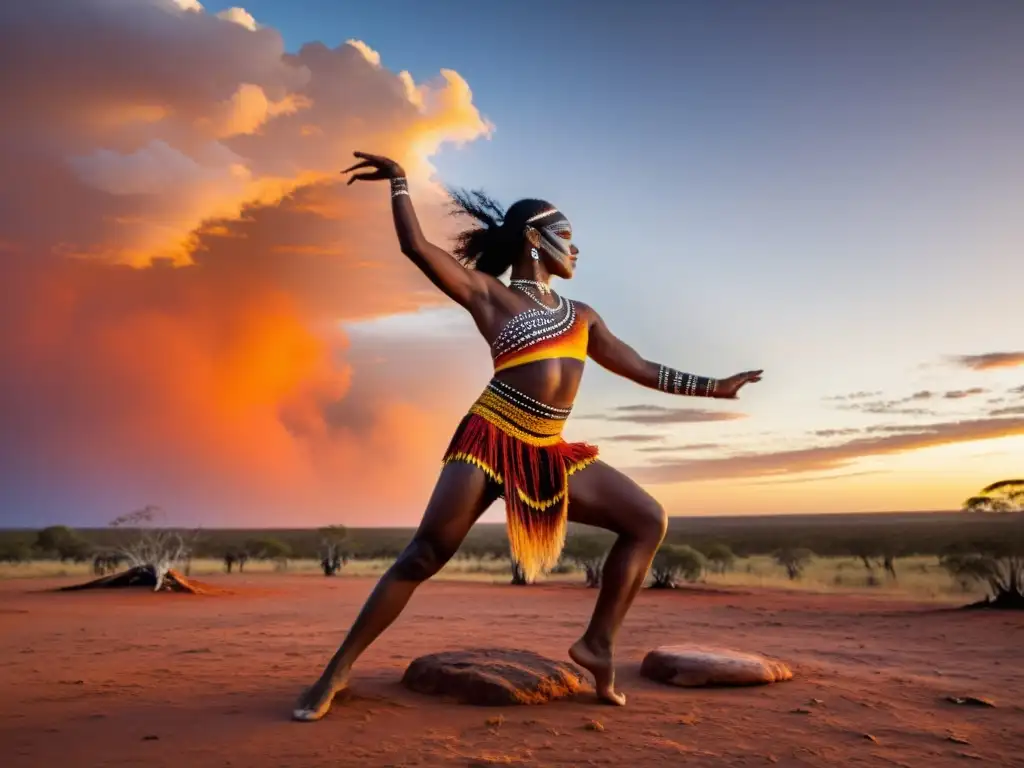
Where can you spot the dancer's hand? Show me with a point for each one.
(383, 168)
(730, 387)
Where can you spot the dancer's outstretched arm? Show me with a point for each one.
(468, 288)
(612, 353)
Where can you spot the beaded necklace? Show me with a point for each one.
(521, 286)
(520, 283)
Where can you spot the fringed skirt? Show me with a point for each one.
(518, 442)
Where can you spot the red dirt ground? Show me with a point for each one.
(132, 679)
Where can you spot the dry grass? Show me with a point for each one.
(918, 577)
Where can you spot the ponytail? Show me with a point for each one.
(494, 245)
(485, 248)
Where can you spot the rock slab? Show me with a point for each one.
(695, 667)
(493, 677)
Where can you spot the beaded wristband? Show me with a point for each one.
(678, 383)
(399, 186)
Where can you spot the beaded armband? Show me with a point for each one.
(399, 186)
(678, 383)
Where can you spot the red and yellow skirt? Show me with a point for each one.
(518, 442)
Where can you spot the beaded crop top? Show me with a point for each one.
(546, 333)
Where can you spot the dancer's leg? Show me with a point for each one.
(605, 498)
(461, 495)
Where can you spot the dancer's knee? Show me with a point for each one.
(420, 560)
(651, 521)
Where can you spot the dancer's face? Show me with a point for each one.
(554, 244)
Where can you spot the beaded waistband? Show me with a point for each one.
(520, 415)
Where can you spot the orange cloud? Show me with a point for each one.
(184, 258)
(821, 458)
(141, 121)
(991, 360)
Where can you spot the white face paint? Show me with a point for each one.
(556, 237)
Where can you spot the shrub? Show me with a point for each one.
(794, 560)
(332, 557)
(720, 558)
(62, 542)
(588, 553)
(675, 562)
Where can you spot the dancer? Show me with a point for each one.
(510, 443)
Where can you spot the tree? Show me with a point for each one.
(999, 564)
(236, 556)
(720, 558)
(268, 548)
(62, 542)
(1001, 496)
(794, 560)
(889, 563)
(149, 547)
(868, 552)
(107, 562)
(518, 575)
(332, 557)
(15, 550)
(875, 554)
(675, 562)
(588, 553)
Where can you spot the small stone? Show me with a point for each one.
(151, 737)
(493, 677)
(870, 738)
(957, 739)
(495, 722)
(594, 725)
(815, 702)
(970, 701)
(800, 711)
(691, 667)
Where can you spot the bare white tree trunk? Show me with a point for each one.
(155, 549)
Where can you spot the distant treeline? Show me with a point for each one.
(897, 535)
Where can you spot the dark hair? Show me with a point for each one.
(493, 247)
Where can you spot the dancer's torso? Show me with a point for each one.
(540, 351)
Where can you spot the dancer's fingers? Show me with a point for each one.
(365, 177)
(363, 164)
(375, 159)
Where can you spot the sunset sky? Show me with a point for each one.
(199, 316)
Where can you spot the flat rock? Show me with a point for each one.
(694, 667)
(493, 677)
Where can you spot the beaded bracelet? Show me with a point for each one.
(678, 383)
(399, 186)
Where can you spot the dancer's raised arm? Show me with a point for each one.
(610, 352)
(464, 286)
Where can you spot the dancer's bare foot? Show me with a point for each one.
(600, 665)
(316, 700)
